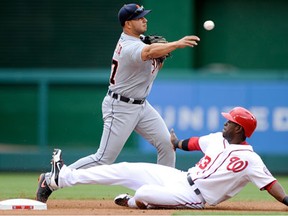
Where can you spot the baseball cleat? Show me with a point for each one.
(57, 164)
(43, 190)
(122, 200)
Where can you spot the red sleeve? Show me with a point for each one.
(193, 144)
(269, 186)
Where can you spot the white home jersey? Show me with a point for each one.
(215, 173)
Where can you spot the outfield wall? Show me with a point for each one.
(54, 68)
(41, 110)
(83, 34)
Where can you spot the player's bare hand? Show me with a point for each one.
(190, 41)
(173, 138)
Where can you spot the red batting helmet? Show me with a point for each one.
(242, 117)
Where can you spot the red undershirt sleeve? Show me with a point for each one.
(191, 144)
(269, 186)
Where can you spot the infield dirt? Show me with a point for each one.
(107, 207)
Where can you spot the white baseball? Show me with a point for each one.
(209, 25)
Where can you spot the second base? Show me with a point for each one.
(14, 204)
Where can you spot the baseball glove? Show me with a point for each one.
(150, 39)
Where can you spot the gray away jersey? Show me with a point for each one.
(130, 75)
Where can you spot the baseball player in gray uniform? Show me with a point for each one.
(228, 164)
(125, 107)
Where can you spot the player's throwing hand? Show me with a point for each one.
(190, 41)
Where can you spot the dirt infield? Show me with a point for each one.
(107, 207)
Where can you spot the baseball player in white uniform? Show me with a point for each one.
(125, 108)
(228, 164)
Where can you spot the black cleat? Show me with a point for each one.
(122, 200)
(43, 190)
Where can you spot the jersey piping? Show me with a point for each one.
(220, 163)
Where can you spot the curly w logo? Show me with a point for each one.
(236, 164)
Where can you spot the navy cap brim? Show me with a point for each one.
(144, 13)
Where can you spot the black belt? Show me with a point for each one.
(191, 182)
(125, 99)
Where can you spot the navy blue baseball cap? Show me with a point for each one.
(130, 12)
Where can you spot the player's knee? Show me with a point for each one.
(142, 196)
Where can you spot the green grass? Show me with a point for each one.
(252, 193)
(23, 185)
(228, 213)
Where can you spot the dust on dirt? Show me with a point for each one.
(107, 207)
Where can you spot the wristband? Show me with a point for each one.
(285, 200)
(185, 145)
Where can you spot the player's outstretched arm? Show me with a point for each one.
(278, 193)
(176, 143)
(190, 144)
(157, 50)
